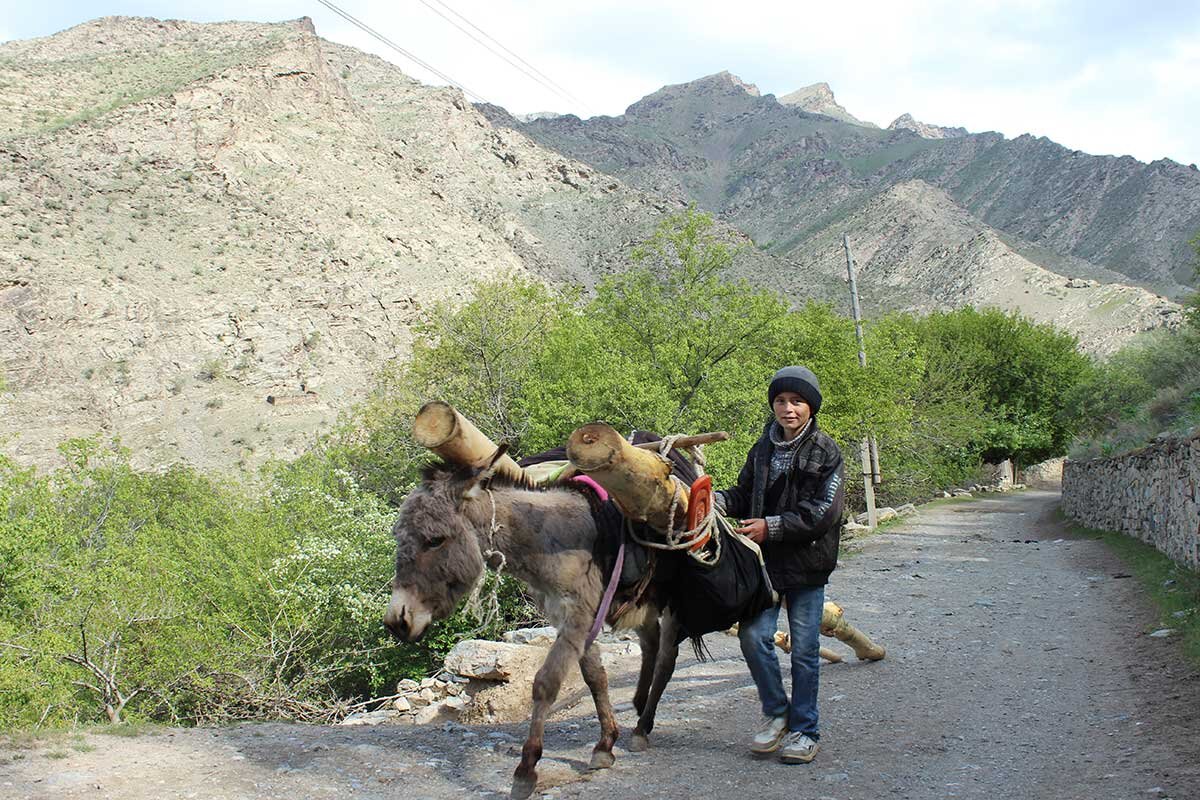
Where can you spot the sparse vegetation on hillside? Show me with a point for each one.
(1150, 388)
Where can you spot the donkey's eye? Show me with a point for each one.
(435, 542)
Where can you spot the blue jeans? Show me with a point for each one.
(757, 636)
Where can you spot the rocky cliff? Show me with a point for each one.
(919, 251)
(905, 122)
(212, 235)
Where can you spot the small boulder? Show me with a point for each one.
(542, 637)
(496, 661)
(371, 717)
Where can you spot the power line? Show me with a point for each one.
(528, 69)
(369, 30)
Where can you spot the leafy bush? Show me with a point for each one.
(128, 595)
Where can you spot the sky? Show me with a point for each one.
(1112, 77)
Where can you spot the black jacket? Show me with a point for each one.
(808, 498)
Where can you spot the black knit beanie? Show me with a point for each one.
(800, 380)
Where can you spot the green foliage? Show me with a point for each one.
(671, 345)
(1150, 386)
(928, 429)
(175, 596)
(1192, 304)
(108, 584)
(1023, 372)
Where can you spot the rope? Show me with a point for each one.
(475, 605)
(683, 538)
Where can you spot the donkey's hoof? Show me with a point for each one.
(602, 759)
(523, 787)
(639, 742)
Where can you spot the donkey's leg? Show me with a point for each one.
(596, 679)
(664, 668)
(565, 651)
(648, 638)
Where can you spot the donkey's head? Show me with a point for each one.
(438, 558)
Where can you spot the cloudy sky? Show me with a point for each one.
(1117, 77)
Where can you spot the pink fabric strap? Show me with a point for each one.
(613, 579)
(599, 490)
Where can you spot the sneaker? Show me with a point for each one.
(798, 748)
(768, 738)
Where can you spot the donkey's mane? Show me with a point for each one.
(440, 470)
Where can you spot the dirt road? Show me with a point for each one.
(1018, 666)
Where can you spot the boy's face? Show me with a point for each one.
(791, 412)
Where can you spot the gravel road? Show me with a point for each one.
(1018, 665)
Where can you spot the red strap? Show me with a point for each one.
(699, 504)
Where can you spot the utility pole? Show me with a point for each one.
(866, 450)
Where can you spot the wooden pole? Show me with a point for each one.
(439, 427)
(638, 480)
(865, 448)
(875, 461)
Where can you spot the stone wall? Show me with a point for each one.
(1152, 494)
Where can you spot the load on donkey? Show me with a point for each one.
(620, 533)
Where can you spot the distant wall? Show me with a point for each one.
(1152, 494)
(1046, 475)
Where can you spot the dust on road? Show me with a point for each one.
(1018, 666)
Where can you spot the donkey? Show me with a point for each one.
(546, 538)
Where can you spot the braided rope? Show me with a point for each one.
(684, 538)
(486, 612)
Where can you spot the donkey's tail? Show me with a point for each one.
(700, 649)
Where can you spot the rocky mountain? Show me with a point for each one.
(818, 99)
(921, 251)
(782, 174)
(905, 122)
(212, 235)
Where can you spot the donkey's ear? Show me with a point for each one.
(480, 481)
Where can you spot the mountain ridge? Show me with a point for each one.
(737, 155)
(214, 233)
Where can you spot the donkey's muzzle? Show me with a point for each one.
(397, 627)
(406, 617)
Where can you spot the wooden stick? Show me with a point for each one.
(833, 623)
(689, 441)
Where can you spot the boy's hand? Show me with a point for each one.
(753, 529)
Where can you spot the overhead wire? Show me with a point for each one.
(379, 36)
(529, 70)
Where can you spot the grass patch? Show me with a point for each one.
(1175, 589)
(128, 729)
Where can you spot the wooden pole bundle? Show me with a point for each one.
(784, 642)
(833, 623)
(439, 427)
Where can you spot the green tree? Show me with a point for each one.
(673, 344)
(1023, 373)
